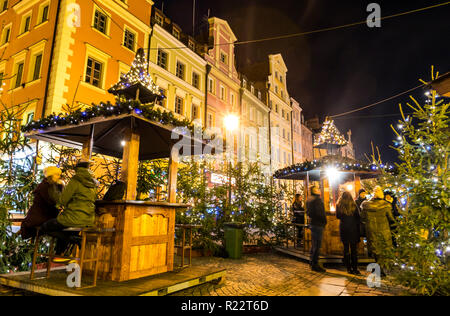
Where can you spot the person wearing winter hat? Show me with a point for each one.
(78, 203)
(44, 207)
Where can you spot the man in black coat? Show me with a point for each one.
(315, 210)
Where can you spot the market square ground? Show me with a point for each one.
(271, 274)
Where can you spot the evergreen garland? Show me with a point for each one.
(108, 110)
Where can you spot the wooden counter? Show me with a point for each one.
(143, 242)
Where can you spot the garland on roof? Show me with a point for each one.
(344, 166)
(108, 110)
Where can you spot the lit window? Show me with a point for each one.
(30, 117)
(211, 86)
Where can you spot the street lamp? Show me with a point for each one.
(231, 122)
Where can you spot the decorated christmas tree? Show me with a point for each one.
(137, 83)
(329, 137)
(421, 260)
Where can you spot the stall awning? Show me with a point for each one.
(108, 134)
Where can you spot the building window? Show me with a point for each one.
(19, 75)
(195, 112)
(43, 13)
(179, 105)
(259, 95)
(30, 117)
(100, 21)
(223, 58)
(211, 86)
(180, 70)
(210, 120)
(232, 99)
(129, 40)
(196, 80)
(282, 94)
(191, 45)
(276, 108)
(37, 67)
(176, 33)
(26, 22)
(1, 80)
(94, 72)
(159, 20)
(222, 93)
(163, 101)
(5, 5)
(6, 34)
(162, 59)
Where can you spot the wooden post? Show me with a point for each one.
(130, 163)
(86, 152)
(173, 174)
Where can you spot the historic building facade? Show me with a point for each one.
(60, 55)
(178, 68)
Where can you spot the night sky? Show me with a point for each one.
(341, 70)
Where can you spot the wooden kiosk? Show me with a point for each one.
(143, 241)
(332, 175)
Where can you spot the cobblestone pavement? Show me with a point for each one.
(271, 274)
(276, 275)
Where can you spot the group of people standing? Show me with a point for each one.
(374, 219)
(57, 207)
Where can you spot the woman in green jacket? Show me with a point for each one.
(376, 215)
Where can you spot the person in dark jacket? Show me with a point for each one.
(376, 215)
(298, 212)
(318, 220)
(44, 203)
(392, 199)
(78, 203)
(348, 214)
(362, 197)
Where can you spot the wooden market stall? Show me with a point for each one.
(332, 176)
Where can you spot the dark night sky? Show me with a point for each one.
(337, 71)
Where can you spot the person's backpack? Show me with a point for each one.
(116, 191)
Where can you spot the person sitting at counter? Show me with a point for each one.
(44, 202)
(78, 208)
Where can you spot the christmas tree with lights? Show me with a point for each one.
(137, 84)
(421, 260)
(329, 137)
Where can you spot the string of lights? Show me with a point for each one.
(287, 36)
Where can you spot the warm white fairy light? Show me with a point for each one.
(329, 135)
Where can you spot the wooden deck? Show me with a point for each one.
(301, 254)
(158, 285)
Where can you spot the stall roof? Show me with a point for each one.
(320, 173)
(156, 139)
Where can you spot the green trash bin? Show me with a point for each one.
(234, 234)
